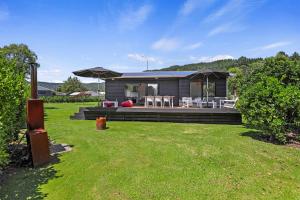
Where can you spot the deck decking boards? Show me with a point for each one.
(194, 115)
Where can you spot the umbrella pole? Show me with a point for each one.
(207, 91)
(99, 91)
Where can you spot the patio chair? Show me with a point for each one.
(148, 100)
(167, 99)
(198, 101)
(212, 102)
(230, 103)
(187, 102)
(158, 99)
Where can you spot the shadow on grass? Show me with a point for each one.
(258, 135)
(24, 183)
(50, 107)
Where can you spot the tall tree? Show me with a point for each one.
(72, 85)
(269, 96)
(21, 54)
(295, 56)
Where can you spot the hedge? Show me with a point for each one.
(13, 93)
(69, 99)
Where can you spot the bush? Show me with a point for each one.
(270, 96)
(69, 99)
(13, 91)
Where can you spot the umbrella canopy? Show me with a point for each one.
(97, 72)
(206, 73)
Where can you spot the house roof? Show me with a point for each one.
(157, 74)
(170, 74)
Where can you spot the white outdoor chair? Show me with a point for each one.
(230, 103)
(187, 102)
(167, 99)
(212, 102)
(198, 101)
(158, 99)
(149, 100)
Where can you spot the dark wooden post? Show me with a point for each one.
(33, 81)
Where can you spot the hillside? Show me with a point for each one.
(219, 64)
(89, 86)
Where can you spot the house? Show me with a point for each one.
(135, 86)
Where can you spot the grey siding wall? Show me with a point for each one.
(169, 88)
(220, 87)
(184, 88)
(114, 89)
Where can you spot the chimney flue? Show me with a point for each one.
(33, 81)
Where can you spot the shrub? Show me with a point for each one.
(270, 96)
(69, 99)
(13, 91)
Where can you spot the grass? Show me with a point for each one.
(144, 160)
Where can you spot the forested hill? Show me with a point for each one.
(89, 86)
(219, 64)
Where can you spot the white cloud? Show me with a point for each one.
(230, 7)
(191, 5)
(51, 75)
(133, 18)
(211, 59)
(275, 45)
(194, 46)
(226, 28)
(219, 29)
(166, 44)
(143, 58)
(57, 81)
(49, 71)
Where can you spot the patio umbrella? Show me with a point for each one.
(206, 73)
(97, 72)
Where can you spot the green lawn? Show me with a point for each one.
(143, 160)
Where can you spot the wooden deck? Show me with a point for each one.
(195, 115)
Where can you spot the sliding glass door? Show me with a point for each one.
(196, 88)
(137, 91)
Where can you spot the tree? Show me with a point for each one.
(72, 85)
(21, 54)
(234, 82)
(270, 96)
(295, 56)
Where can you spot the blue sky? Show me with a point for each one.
(68, 35)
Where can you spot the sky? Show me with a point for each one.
(69, 35)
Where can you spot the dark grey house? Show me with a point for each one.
(179, 84)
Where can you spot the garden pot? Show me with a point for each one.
(101, 123)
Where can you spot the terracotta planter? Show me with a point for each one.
(101, 123)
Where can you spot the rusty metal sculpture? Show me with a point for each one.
(37, 137)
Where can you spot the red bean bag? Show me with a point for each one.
(128, 103)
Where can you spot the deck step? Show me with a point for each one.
(215, 116)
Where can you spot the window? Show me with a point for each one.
(135, 91)
(152, 89)
(211, 88)
(196, 88)
(131, 90)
